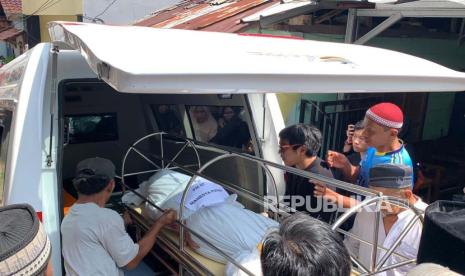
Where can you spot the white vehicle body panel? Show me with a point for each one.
(181, 61)
(175, 61)
(27, 178)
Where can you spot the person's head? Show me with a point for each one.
(95, 176)
(25, 248)
(163, 109)
(200, 113)
(392, 180)
(298, 142)
(358, 140)
(304, 246)
(228, 113)
(382, 124)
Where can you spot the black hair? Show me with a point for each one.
(304, 246)
(359, 125)
(88, 183)
(303, 134)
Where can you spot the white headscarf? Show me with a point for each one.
(204, 131)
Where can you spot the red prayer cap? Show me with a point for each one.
(386, 114)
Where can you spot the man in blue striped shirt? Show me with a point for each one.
(382, 125)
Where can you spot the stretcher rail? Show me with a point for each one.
(372, 197)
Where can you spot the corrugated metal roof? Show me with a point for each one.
(11, 7)
(279, 8)
(424, 4)
(188, 15)
(217, 15)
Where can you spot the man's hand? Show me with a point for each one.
(322, 191)
(127, 218)
(168, 217)
(337, 160)
(350, 134)
(149, 239)
(328, 194)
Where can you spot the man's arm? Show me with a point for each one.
(351, 173)
(329, 194)
(149, 239)
(340, 161)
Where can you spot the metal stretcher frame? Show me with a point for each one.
(185, 260)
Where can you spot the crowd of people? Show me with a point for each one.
(218, 125)
(373, 157)
(95, 242)
(226, 128)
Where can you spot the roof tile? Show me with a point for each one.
(11, 7)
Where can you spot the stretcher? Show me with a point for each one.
(169, 240)
(191, 263)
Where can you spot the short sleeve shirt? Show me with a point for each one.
(300, 187)
(95, 241)
(374, 158)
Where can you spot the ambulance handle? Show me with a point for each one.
(54, 88)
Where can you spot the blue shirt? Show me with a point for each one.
(374, 158)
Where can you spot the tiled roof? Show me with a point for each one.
(11, 7)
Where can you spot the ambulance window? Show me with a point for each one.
(221, 125)
(91, 128)
(5, 120)
(168, 118)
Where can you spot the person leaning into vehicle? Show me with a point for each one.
(95, 241)
(298, 146)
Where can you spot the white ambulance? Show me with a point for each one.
(97, 89)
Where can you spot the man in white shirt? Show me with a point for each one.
(95, 241)
(392, 180)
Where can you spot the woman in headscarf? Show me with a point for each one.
(232, 131)
(205, 126)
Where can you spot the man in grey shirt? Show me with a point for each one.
(95, 241)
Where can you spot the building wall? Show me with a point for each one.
(440, 105)
(122, 12)
(445, 52)
(44, 19)
(63, 7)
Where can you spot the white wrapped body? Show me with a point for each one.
(220, 220)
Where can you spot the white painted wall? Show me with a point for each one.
(123, 12)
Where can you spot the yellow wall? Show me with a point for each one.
(63, 7)
(44, 19)
(287, 103)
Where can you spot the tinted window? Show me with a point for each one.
(168, 119)
(91, 128)
(222, 125)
